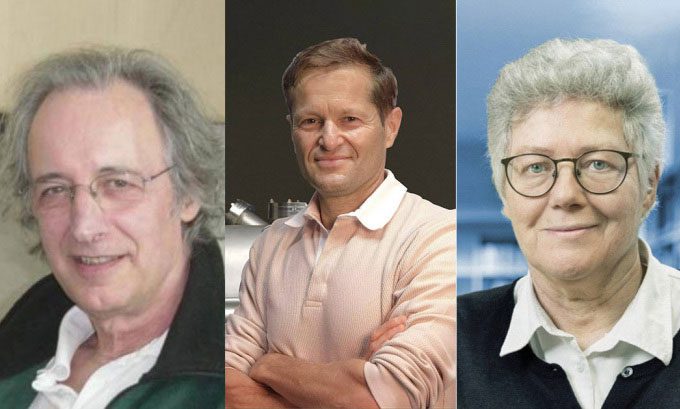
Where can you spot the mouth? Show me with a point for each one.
(330, 161)
(94, 261)
(571, 230)
(97, 267)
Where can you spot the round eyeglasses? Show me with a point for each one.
(598, 172)
(112, 190)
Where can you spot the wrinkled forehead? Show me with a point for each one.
(334, 78)
(89, 128)
(578, 124)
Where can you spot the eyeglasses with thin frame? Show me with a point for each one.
(598, 172)
(112, 190)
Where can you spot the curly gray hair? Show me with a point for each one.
(192, 144)
(603, 71)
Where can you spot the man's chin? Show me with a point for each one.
(101, 303)
(331, 186)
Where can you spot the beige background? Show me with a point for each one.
(191, 34)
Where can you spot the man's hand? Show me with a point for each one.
(243, 392)
(384, 333)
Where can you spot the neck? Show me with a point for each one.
(588, 308)
(330, 207)
(121, 334)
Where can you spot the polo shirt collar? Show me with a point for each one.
(373, 214)
(647, 322)
(75, 329)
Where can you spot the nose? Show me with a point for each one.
(88, 223)
(330, 136)
(566, 192)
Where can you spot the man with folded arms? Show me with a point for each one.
(351, 302)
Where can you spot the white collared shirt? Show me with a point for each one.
(373, 214)
(644, 331)
(104, 384)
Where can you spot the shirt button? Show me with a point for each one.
(627, 371)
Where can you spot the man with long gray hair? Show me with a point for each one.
(112, 161)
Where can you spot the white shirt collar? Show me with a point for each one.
(374, 213)
(647, 323)
(74, 329)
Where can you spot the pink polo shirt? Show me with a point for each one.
(317, 295)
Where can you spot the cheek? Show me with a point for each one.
(624, 215)
(302, 141)
(524, 213)
(367, 150)
(53, 239)
(52, 231)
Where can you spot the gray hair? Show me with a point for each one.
(191, 143)
(603, 71)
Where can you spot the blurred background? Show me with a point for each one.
(415, 39)
(490, 34)
(189, 34)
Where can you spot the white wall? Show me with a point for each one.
(191, 34)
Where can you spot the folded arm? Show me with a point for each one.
(243, 392)
(339, 384)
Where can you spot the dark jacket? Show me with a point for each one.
(521, 380)
(189, 372)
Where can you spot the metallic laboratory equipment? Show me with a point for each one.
(289, 208)
(242, 228)
(241, 213)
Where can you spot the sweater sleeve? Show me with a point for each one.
(245, 339)
(416, 368)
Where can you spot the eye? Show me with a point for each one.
(52, 191)
(309, 123)
(536, 168)
(118, 183)
(599, 165)
(351, 118)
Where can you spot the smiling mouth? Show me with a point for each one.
(93, 261)
(330, 159)
(330, 162)
(570, 230)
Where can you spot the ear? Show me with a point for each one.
(650, 194)
(392, 124)
(189, 210)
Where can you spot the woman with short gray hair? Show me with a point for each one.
(575, 137)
